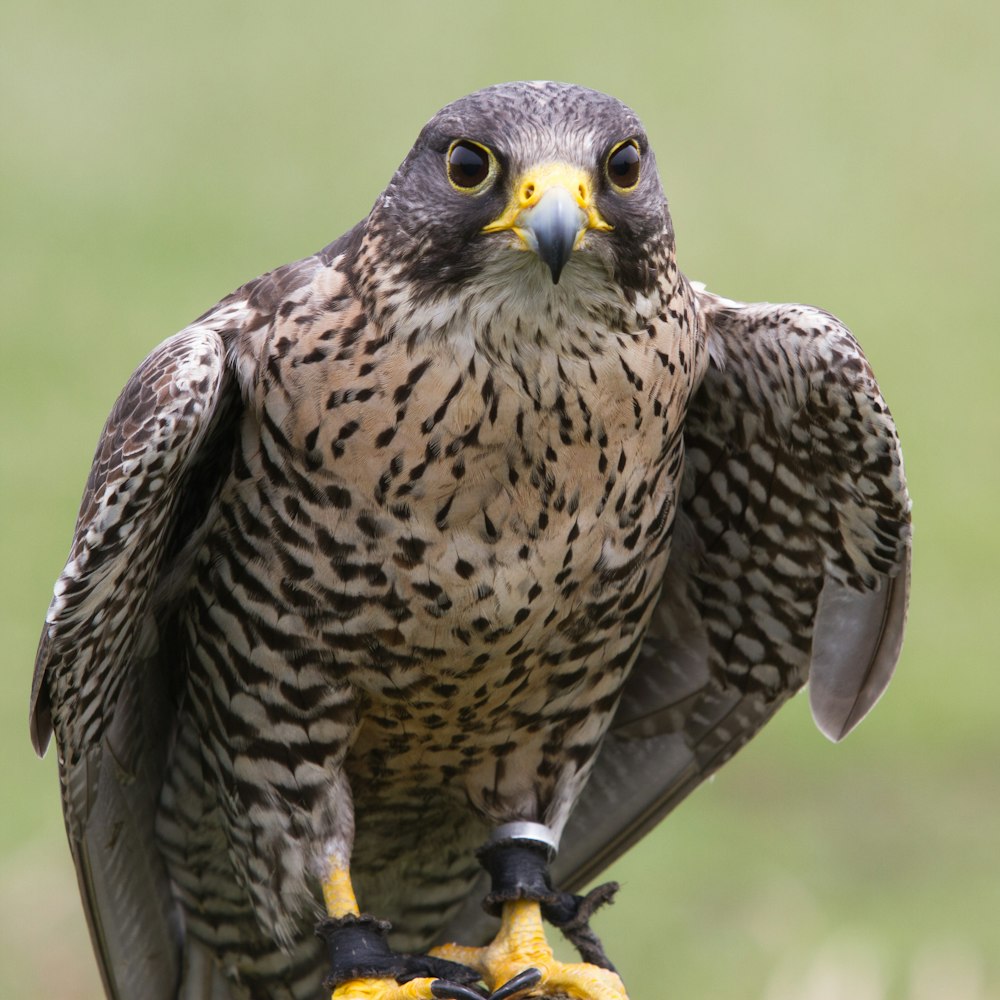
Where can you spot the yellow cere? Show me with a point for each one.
(535, 182)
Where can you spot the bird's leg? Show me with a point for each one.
(338, 890)
(519, 961)
(364, 967)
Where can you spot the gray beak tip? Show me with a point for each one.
(554, 225)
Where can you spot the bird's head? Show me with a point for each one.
(530, 194)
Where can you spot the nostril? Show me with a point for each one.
(529, 190)
(583, 192)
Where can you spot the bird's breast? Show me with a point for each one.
(486, 533)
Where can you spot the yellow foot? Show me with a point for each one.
(521, 946)
(365, 950)
(386, 989)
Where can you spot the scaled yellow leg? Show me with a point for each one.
(338, 892)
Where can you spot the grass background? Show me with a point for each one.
(152, 157)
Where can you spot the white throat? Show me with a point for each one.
(512, 309)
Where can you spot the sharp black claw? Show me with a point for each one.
(522, 981)
(445, 990)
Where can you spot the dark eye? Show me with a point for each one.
(469, 164)
(623, 165)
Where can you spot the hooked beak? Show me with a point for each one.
(551, 211)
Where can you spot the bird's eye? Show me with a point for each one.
(470, 165)
(623, 165)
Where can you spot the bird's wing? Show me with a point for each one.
(110, 667)
(790, 562)
(98, 680)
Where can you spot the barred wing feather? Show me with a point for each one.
(790, 563)
(99, 682)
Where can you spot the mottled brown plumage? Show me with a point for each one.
(374, 553)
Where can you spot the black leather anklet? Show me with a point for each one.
(358, 949)
(519, 869)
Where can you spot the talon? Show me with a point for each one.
(445, 990)
(522, 981)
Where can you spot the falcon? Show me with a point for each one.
(440, 565)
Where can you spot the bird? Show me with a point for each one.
(440, 565)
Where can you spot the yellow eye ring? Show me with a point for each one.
(622, 167)
(471, 166)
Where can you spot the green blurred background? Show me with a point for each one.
(153, 157)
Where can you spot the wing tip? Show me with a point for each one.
(40, 707)
(865, 628)
(40, 728)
